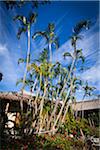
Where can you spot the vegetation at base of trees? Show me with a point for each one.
(62, 140)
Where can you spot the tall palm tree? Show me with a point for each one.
(76, 55)
(26, 23)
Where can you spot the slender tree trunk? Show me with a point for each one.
(55, 123)
(38, 91)
(58, 88)
(82, 106)
(73, 63)
(41, 106)
(27, 62)
(72, 66)
(34, 85)
(66, 110)
(28, 59)
(53, 113)
(63, 119)
(55, 107)
(50, 51)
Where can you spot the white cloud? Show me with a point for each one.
(7, 66)
(93, 74)
(3, 49)
(89, 44)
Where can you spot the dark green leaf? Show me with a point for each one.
(21, 60)
(67, 54)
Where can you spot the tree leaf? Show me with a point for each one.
(19, 81)
(40, 33)
(20, 31)
(20, 60)
(32, 17)
(84, 24)
(67, 54)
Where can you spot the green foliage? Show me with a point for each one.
(59, 142)
(21, 60)
(53, 80)
(84, 24)
(25, 23)
(67, 54)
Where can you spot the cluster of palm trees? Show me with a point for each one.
(53, 85)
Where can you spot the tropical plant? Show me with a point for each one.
(76, 55)
(88, 91)
(54, 86)
(26, 23)
(50, 37)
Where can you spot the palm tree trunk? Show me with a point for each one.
(54, 110)
(68, 104)
(27, 62)
(50, 51)
(38, 91)
(82, 106)
(55, 123)
(73, 63)
(41, 105)
(63, 119)
(34, 85)
(53, 113)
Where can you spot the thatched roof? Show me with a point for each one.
(13, 96)
(14, 99)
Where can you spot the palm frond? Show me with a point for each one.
(56, 42)
(40, 33)
(22, 19)
(67, 54)
(20, 31)
(20, 60)
(79, 55)
(84, 24)
(51, 27)
(32, 17)
(19, 81)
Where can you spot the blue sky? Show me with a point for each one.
(65, 14)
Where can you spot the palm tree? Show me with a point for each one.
(50, 37)
(75, 56)
(61, 73)
(26, 24)
(43, 71)
(26, 27)
(88, 91)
